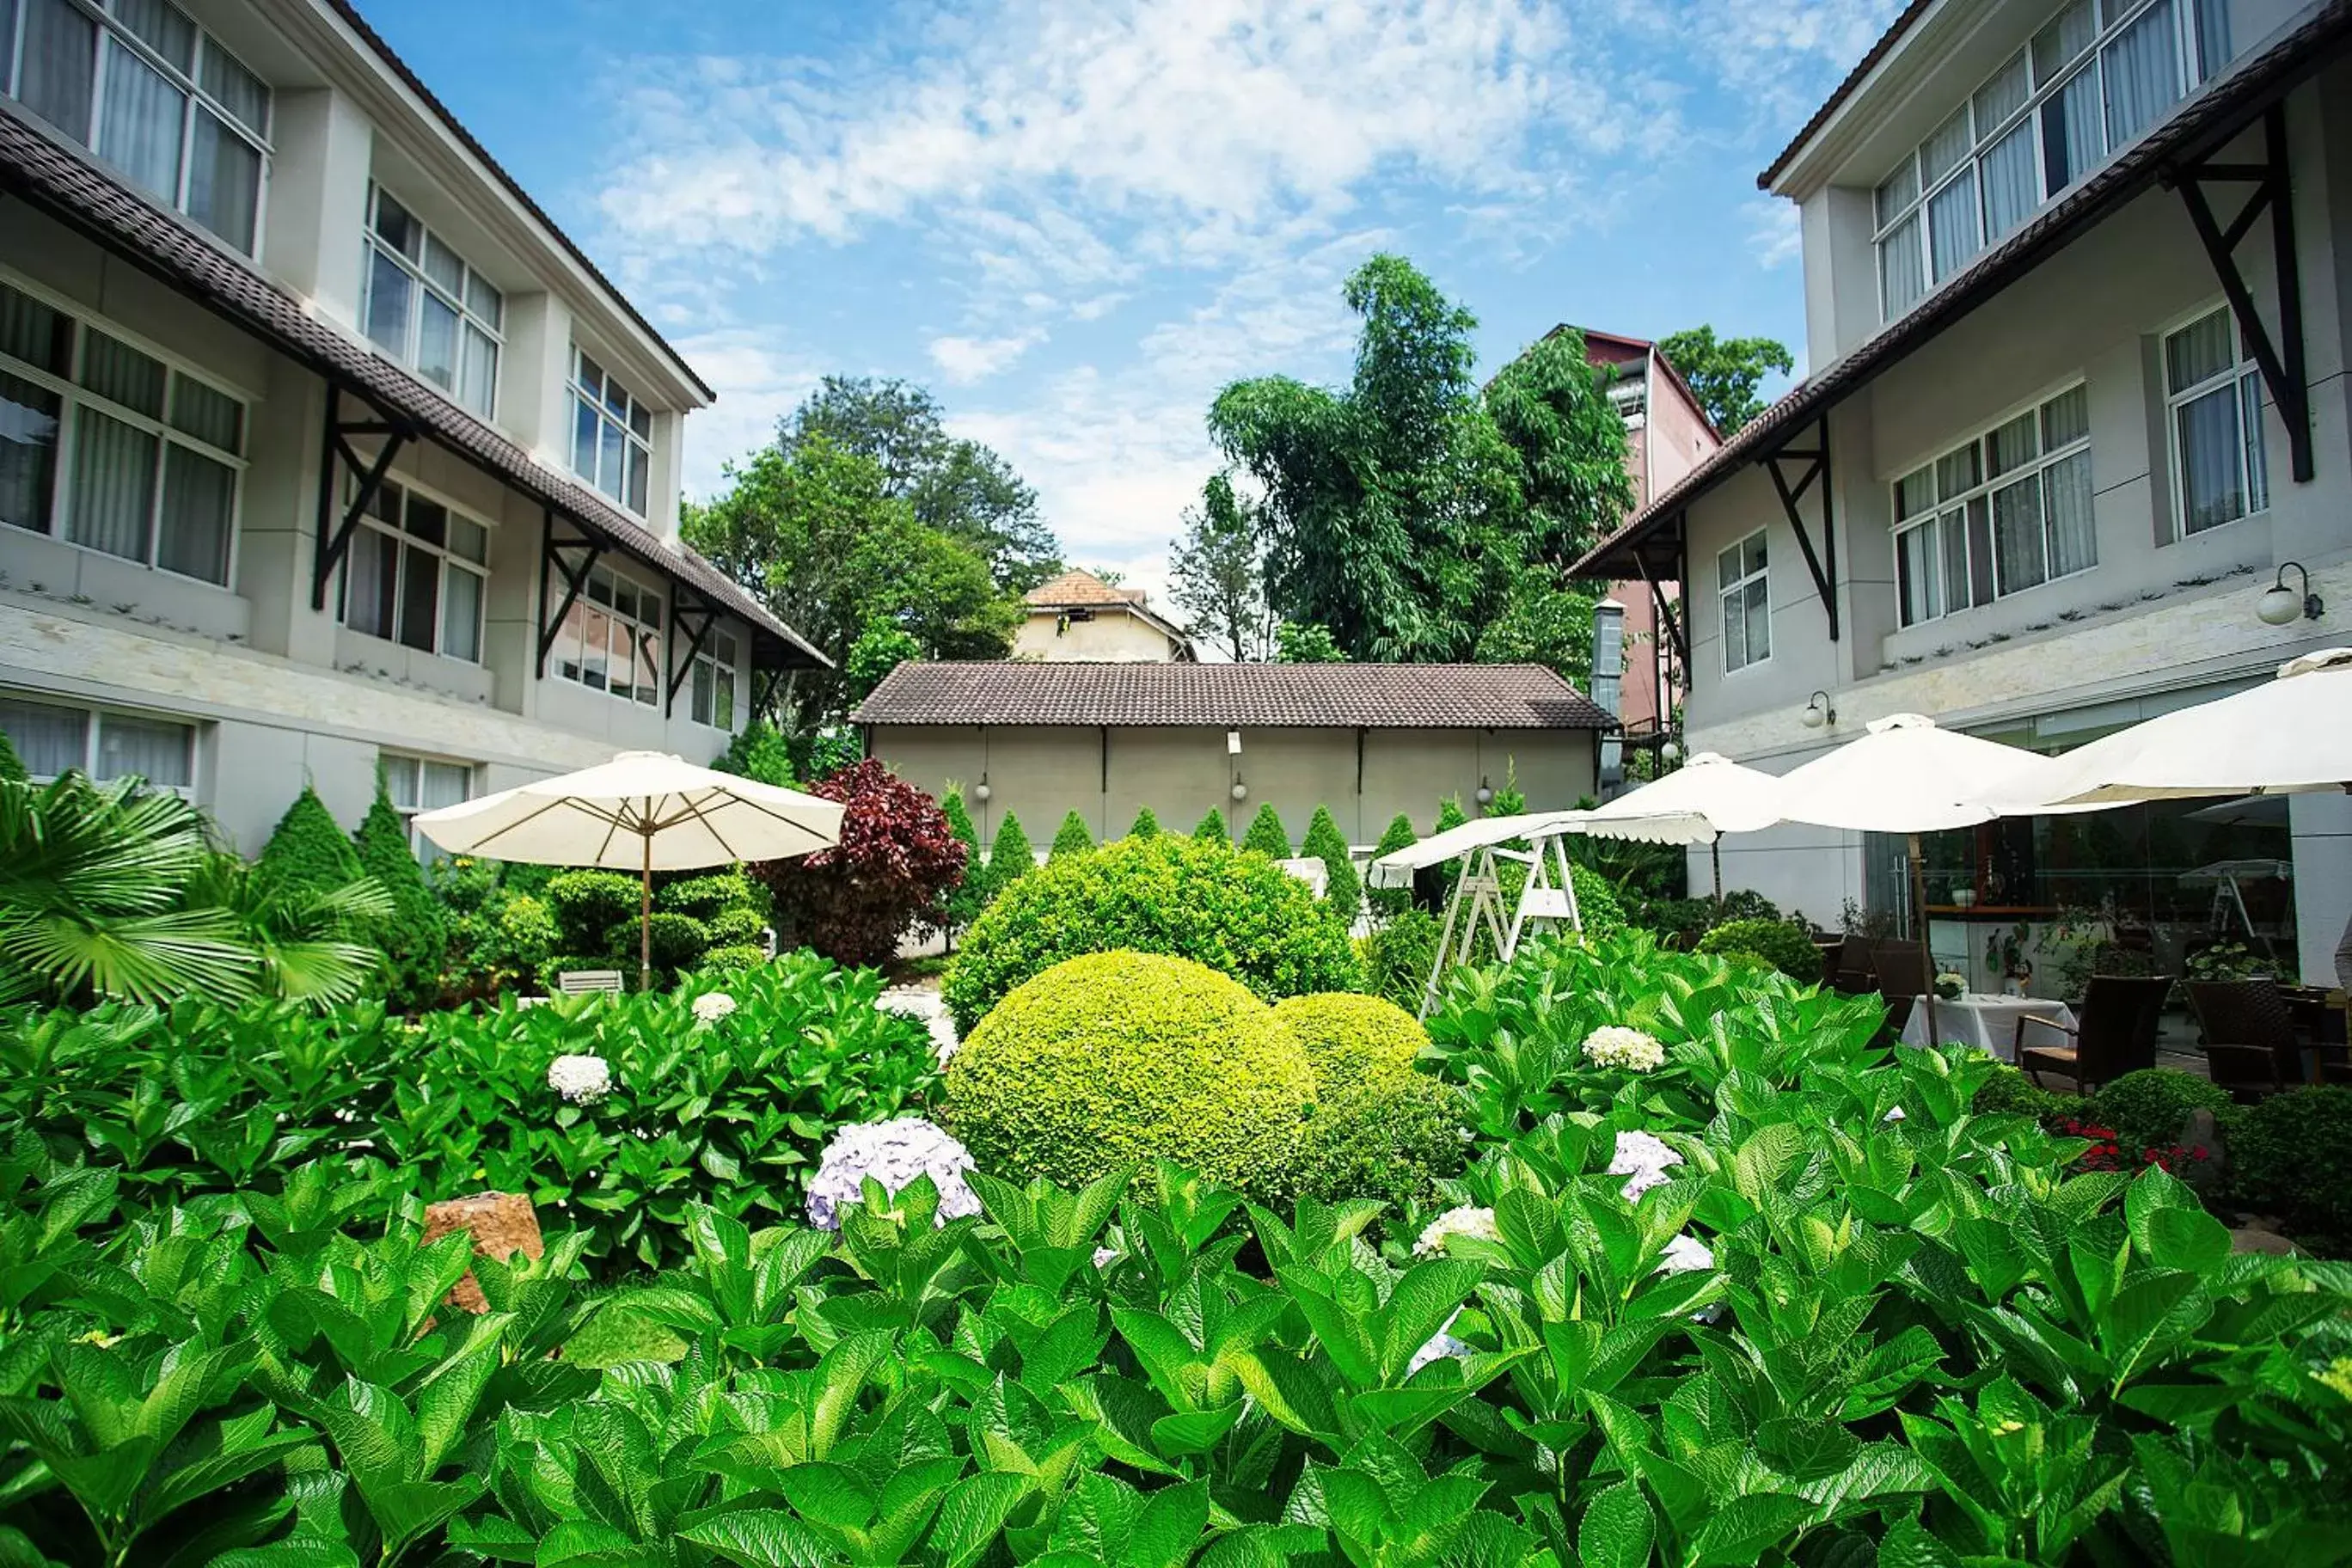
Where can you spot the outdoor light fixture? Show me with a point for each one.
(979, 792)
(1240, 790)
(1485, 792)
(2283, 606)
(1669, 754)
(1820, 710)
(1232, 742)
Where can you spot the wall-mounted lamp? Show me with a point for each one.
(1486, 792)
(1820, 710)
(2283, 606)
(1669, 754)
(1240, 790)
(979, 792)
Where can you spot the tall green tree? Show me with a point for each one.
(961, 488)
(1217, 573)
(815, 531)
(968, 898)
(1402, 511)
(1726, 374)
(1303, 642)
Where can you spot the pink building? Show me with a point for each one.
(1668, 435)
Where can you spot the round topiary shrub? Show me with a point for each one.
(1380, 1127)
(2147, 1107)
(1130, 1055)
(1187, 898)
(1775, 942)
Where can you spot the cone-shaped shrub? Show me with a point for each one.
(11, 768)
(1450, 814)
(1266, 834)
(1072, 839)
(969, 897)
(307, 850)
(1145, 825)
(1212, 828)
(1342, 890)
(417, 935)
(1010, 858)
(1390, 902)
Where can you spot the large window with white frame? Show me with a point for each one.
(108, 447)
(428, 307)
(2214, 409)
(422, 784)
(416, 574)
(153, 94)
(612, 433)
(1747, 603)
(2092, 82)
(611, 639)
(52, 738)
(713, 697)
(2008, 511)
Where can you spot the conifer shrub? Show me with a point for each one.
(1388, 903)
(1210, 902)
(415, 940)
(968, 898)
(1212, 828)
(1267, 834)
(1073, 839)
(1145, 824)
(307, 850)
(1009, 858)
(1343, 891)
(1118, 1057)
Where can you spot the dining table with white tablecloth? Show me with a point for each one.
(1989, 1021)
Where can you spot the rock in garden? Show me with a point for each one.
(501, 1224)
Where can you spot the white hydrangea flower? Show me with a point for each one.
(1894, 1113)
(1643, 1162)
(1615, 1045)
(1105, 1256)
(894, 1154)
(1462, 1221)
(1687, 1254)
(1441, 1344)
(712, 1005)
(583, 1080)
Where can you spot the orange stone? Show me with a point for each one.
(501, 1224)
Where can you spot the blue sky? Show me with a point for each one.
(1075, 220)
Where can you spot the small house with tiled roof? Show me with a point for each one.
(1105, 740)
(1079, 618)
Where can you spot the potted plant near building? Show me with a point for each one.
(2006, 952)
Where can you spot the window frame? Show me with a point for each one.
(598, 405)
(726, 669)
(71, 393)
(2243, 373)
(114, 32)
(1942, 509)
(409, 356)
(449, 557)
(94, 717)
(1762, 575)
(573, 627)
(388, 760)
(2111, 20)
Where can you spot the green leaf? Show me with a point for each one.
(1617, 1530)
(974, 1510)
(1168, 1527)
(760, 1538)
(1743, 1528)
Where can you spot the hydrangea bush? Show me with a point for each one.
(893, 1153)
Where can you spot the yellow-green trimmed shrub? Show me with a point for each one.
(1381, 1128)
(1354, 1042)
(1130, 1055)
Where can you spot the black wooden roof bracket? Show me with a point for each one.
(696, 616)
(1816, 461)
(335, 527)
(552, 566)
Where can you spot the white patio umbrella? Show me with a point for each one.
(1906, 775)
(1707, 798)
(2290, 735)
(642, 812)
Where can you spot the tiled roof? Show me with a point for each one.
(1234, 695)
(1845, 90)
(1077, 587)
(68, 184)
(2220, 113)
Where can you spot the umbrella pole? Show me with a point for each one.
(1926, 958)
(646, 918)
(1715, 853)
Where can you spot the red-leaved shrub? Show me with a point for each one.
(897, 860)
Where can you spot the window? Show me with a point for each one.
(714, 684)
(611, 639)
(416, 575)
(429, 310)
(2214, 404)
(50, 739)
(2008, 512)
(612, 434)
(110, 449)
(2092, 81)
(150, 92)
(422, 783)
(1747, 604)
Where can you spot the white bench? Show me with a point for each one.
(583, 982)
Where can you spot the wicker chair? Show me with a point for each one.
(2113, 1033)
(1851, 969)
(2250, 1048)
(1903, 979)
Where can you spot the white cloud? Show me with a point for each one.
(1775, 231)
(758, 384)
(966, 360)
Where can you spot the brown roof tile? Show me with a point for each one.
(1077, 588)
(1236, 696)
(70, 186)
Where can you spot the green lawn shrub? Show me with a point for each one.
(1381, 1127)
(1777, 943)
(1124, 1055)
(1181, 897)
(1145, 825)
(2148, 1108)
(307, 850)
(2290, 1155)
(1009, 858)
(1397, 956)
